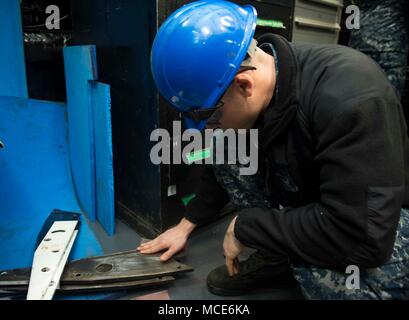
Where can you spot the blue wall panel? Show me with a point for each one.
(35, 179)
(80, 68)
(101, 106)
(13, 80)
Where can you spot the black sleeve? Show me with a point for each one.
(210, 199)
(360, 156)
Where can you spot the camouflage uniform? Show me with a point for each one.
(383, 36)
(390, 281)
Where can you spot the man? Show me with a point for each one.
(333, 156)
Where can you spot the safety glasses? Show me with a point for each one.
(199, 115)
(212, 115)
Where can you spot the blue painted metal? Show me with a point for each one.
(101, 106)
(13, 80)
(35, 179)
(80, 68)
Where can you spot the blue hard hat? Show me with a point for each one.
(197, 53)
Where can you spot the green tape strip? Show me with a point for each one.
(198, 156)
(186, 200)
(271, 23)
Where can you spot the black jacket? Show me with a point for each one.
(337, 127)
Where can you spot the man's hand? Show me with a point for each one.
(232, 249)
(174, 240)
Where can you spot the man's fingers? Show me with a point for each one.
(154, 248)
(168, 254)
(142, 246)
(230, 266)
(147, 244)
(146, 247)
(236, 266)
(151, 244)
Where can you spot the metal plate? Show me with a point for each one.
(17, 277)
(120, 267)
(103, 287)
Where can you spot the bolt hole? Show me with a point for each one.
(105, 267)
(47, 240)
(78, 275)
(58, 231)
(56, 251)
(45, 269)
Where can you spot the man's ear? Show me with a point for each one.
(245, 84)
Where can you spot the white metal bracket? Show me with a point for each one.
(50, 259)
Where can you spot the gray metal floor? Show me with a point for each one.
(204, 254)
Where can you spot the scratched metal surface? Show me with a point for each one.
(103, 287)
(204, 254)
(119, 267)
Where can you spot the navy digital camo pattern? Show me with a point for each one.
(390, 281)
(383, 35)
(241, 188)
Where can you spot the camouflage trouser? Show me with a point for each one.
(390, 281)
(383, 36)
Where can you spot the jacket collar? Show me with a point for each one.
(283, 107)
